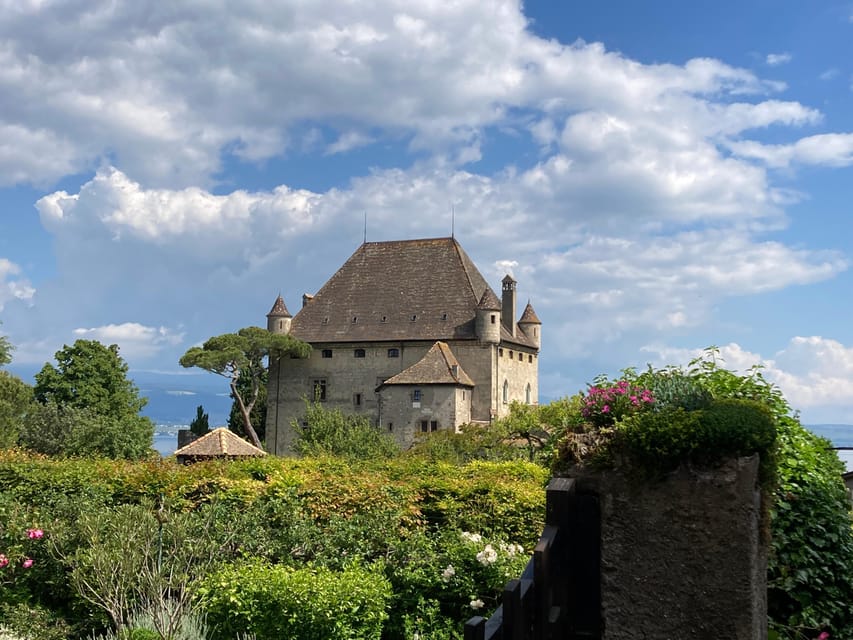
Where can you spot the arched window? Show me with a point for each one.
(506, 392)
(359, 353)
(527, 394)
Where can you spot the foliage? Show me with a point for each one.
(332, 432)
(311, 603)
(241, 355)
(55, 429)
(200, 425)
(15, 399)
(607, 403)
(6, 349)
(258, 414)
(92, 378)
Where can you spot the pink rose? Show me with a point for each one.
(34, 534)
(27, 563)
(3, 560)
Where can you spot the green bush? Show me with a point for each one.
(332, 432)
(313, 603)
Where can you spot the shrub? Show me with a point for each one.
(313, 603)
(331, 432)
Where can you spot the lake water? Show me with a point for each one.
(165, 443)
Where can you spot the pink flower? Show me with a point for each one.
(27, 563)
(824, 635)
(3, 560)
(34, 534)
(605, 409)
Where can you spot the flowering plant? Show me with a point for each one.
(606, 403)
(19, 555)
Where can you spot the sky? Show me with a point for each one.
(659, 177)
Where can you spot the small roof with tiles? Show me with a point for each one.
(279, 309)
(219, 443)
(438, 366)
(529, 316)
(489, 301)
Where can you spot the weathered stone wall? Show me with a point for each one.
(685, 557)
(518, 367)
(447, 405)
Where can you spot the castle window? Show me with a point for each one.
(500, 353)
(327, 353)
(390, 426)
(530, 358)
(510, 354)
(493, 318)
(416, 398)
(326, 320)
(384, 319)
(354, 319)
(281, 325)
(358, 353)
(356, 399)
(527, 394)
(506, 392)
(535, 332)
(520, 356)
(444, 316)
(433, 425)
(319, 388)
(393, 353)
(414, 317)
(424, 426)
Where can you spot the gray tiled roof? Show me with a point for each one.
(400, 290)
(489, 301)
(279, 309)
(436, 367)
(529, 315)
(221, 442)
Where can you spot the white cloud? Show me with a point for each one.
(13, 287)
(829, 149)
(144, 85)
(829, 74)
(776, 59)
(135, 340)
(815, 374)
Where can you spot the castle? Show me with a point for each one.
(409, 334)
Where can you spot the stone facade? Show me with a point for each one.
(385, 329)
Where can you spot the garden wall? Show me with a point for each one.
(684, 557)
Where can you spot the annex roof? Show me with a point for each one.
(219, 443)
(400, 290)
(529, 316)
(438, 366)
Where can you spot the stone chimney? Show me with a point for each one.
(508, 304)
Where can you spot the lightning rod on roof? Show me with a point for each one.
(452, 222)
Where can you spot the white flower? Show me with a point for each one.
(471, 537)
(477, 604)
(512, 549)
(448, 573)
(487, 556)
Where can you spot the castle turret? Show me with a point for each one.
(508, 304)
(530, 324)
(278, 319)
(488, 323)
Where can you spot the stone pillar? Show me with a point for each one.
(685, 557)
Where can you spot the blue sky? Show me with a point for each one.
(658, 176)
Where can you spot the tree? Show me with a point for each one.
(92, 378)
(200, 424)
(6, 349)
(258, 415)
(241, 355)
(15, 398)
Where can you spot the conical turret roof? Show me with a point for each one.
(489, 301)
(529, 316)
(279, 309)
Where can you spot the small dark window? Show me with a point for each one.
(414, 317)
(280, 325)
(535, 332)
(493, 318)
(433, 426)
(393, 353)
(354, 319)
(384, 319)
(510, 355)
(530, 358)
(319, 386)
(356, 399)
(327, 353)
(520, 356)
(390, 426)
(444, 316)
(326, 320)
(416, 395)
(424, 426)
(358, 353)
(501, 353)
